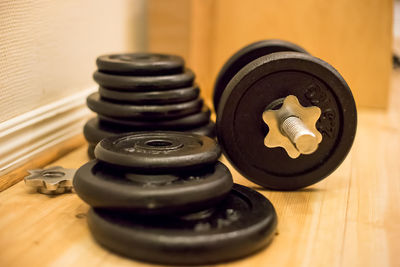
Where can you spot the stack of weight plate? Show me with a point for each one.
(143, 92)
(163, 197)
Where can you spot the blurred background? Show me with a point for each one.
(48, 50)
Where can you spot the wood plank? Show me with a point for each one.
(41, 160)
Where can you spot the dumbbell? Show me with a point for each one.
(285, 119)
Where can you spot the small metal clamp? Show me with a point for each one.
(292, 127)
(50, 181)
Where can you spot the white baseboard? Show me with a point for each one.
(25, 136)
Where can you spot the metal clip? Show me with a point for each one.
(50, 181)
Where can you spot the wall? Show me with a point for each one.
(354, 36)
(47, 57)
(396, 19)
(48, 48)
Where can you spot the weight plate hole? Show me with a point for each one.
(53, 174)
(159, 143)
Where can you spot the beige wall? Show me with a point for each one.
(48, 47)
(170, 20)
(354, 36)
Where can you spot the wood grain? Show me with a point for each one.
(353, 36)
(349, 219)
(41, 160)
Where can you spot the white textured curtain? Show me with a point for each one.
(48, 47)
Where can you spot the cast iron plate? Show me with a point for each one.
(103, 186)
(152, 97)
(206, 130)
(155, 151)
(94, 131)
(140, 64)
(144, 112)
(241, 130)
(90, 150)
(186, 122)
(242, 224)
(144, 83)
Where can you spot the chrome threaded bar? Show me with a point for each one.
(292, 126)
(305, 141)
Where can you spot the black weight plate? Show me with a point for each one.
(140, 64)
(244, 56)
(149, 98)
(241, 130)
(94, 131)
(103, 186)
(155, 151)
(242, 224)
(189, 121)
(90, 150)
(143, 112)
(144, 83)
(207, 130)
